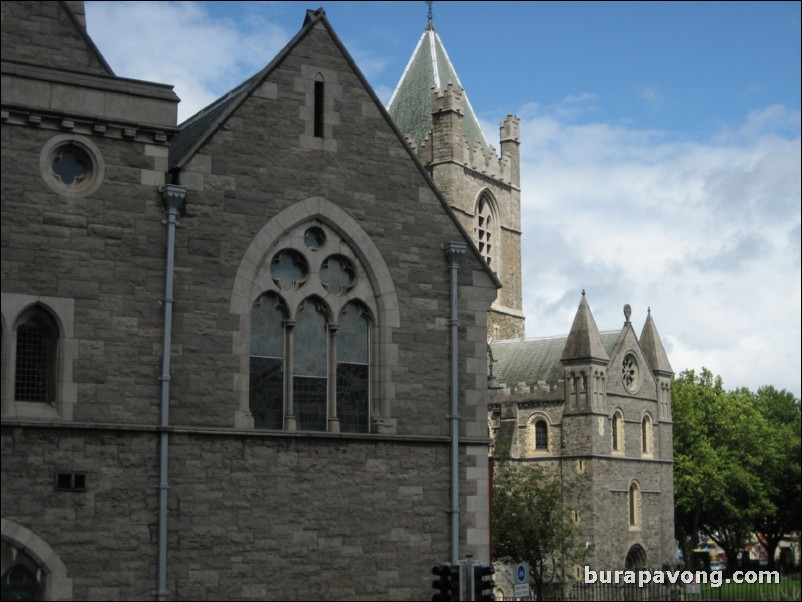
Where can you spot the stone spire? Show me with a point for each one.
(653, 348)
(430, 69)
(584, 341)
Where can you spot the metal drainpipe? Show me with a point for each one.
(173, 197)
(454, 252)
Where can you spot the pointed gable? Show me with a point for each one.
(652, 347)
(584, 341)
(57, 37)
(411, 104)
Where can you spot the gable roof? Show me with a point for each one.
(429, 69)
(198, 129)
(54, 37)
(533, 360)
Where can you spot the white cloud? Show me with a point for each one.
(180, 44)
(707, 234)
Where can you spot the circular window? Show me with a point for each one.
(314, 238)
(289, 270)
(337, 274)
(630, 373)
(71, 165)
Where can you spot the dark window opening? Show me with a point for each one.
(70, 481)
(19, 583)
(319, 109)
(541, 435)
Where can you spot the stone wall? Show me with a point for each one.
(253, 514)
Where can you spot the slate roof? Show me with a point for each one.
(534, 360)
(653, 347)
(584, 342)
(411, 103)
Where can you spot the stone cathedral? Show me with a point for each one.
(594, 407)
(230, 346)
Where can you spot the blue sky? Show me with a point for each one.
(660, 145)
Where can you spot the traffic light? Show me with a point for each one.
(483, 582)
(447, 582)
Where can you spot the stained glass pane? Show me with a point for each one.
(34, 376)
(309, 402)
(353, 398)
(289, 270)
(541, 435)
(337, 275)
(71, 165)
(314, 238)
(267, 330)
(352, 337)
(310, 342)
(267, 392)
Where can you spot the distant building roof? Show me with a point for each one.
(534, 360)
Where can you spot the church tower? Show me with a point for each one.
(431, 109)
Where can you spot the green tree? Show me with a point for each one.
(531, 522)
(781, 468)
(732, 455)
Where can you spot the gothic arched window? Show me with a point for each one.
(310, 347)
(486, 229)
(617, 431)
(541, 436)
(267, 362)
(310, 366)
(353, 369)
(634, 505)
(647, 436)
(37, 352)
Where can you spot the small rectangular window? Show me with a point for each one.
(70, 481)
(318, 109)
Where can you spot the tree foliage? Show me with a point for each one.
(736, 460)
(531, 522)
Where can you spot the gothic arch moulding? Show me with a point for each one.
(57, 585)
(487, 229)
(250, 283)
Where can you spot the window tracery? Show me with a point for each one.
(310, 363)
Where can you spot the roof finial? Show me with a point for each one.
(430, 14)
(583, 292)
(649, 310)
(627, 312)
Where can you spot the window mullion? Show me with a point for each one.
(334, 421)
(289, 369)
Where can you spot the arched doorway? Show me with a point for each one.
(31, 569)
(636, 558)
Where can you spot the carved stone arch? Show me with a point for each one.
(57, 586)
(61, 313)
(617, 431)
(487, 228)
(647, 434)
(250, 283)
(636, 558)
(539, 434)
(258, 253)
(634, 505)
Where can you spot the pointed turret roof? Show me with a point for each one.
(411, 104)
(584, 341)
(653, 347)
